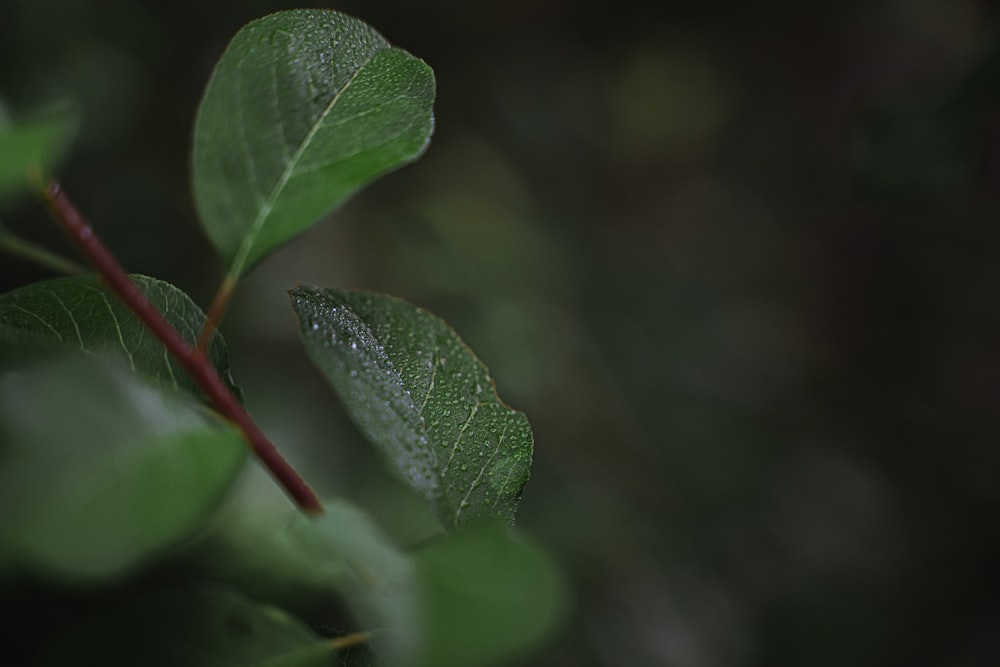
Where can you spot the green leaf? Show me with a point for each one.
(269, 549)
(31, 146)
(194, 628)
(421, 395)
(470, 599)
(80, 313)
(304, 108)
(100, 471)
(486, 596)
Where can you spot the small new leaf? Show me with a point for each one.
(31, 148)
(421, 395)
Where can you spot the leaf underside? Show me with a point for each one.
(421, 395)
(101, 470)
(82, 314)
(303, 108)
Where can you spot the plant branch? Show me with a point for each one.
(191, 358)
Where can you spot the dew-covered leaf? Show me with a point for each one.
(82, 314)
(100, 471)
(421, 395)
(304, 108)
(195, 628)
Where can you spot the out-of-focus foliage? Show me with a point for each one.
(738, 262)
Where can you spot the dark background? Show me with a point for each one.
(739, 263)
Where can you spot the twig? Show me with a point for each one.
(191, 358)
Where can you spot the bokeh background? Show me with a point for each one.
(739, 263)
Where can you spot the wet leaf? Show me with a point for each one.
(421, 395)
(100, 471)
(304, 108)
(80, 313)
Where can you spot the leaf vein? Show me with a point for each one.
(282, 139)
(482, 470)
(458, 440)
(430, 386)
(40, 319)
(118, 328)
(268, 205)
(244, 143)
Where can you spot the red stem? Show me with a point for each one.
(216, 311)
(190, 357)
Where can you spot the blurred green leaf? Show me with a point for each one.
(269, 549)
(421, 395)
(304, 108)
(470, 599)
(31, 146)
(82, 314)
(486, 596)
(380, 588)
(100, 471)
(194, 628)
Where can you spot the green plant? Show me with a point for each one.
(122, 431)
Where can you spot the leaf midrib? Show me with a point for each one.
(236, 268)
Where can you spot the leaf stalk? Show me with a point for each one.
(216, 311)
